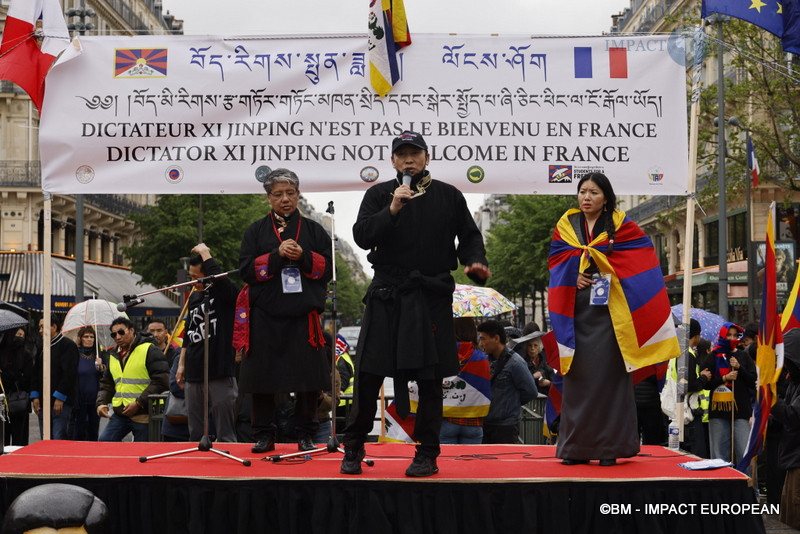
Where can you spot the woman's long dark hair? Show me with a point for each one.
(602, 181)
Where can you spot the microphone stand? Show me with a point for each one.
(333, 441)
(205, 441)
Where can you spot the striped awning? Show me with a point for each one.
(22, 283)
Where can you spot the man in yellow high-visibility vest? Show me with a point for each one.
(136, 370)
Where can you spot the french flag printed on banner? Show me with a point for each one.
(617, 62)
(21, 59)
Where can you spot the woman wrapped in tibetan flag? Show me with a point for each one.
(610, 313)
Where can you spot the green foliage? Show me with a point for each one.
(519, 244)
(349, 294)
(761, 92)
(169, 231)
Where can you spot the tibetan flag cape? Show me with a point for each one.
(638, 301)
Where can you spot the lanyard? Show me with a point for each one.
(278, 234)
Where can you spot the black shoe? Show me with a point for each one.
(608, 462)
(422, 466)
(570, 461)
(351, 463)
(264, 445)
(306, 444)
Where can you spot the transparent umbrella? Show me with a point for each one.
(98, 313)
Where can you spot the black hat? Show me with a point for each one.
(409, 138)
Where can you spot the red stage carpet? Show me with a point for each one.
(204, 492)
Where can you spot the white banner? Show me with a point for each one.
(501, 114)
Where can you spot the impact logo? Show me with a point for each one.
(560, 174)
(656, 175)
(140, 63)
(174, 174)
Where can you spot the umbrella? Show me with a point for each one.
(710, 323)
(14, 308)
(472, 301)
(11, 321)
(98, 313)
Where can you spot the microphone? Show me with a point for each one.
(122, 306)
(406, 181)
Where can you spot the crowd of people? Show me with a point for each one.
(608, 310)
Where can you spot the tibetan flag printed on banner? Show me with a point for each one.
(769, 356)
(586, 58)
(387, 33)
(140, 63)
(752, 162)
(21, 59)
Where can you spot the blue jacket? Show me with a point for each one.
(512, 387)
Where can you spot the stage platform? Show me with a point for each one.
(484, 489)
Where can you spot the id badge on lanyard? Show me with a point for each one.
(601, 287)
(290, 278)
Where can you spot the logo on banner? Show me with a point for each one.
(656, 174)
(174, 174)
(369, 174)
(84, 174)
(140, 63)
(476, 174)
(560, 174)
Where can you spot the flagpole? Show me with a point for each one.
(46, 294)
(688, 250)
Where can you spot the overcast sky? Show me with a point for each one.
(272, 17)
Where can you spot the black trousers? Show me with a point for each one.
(428, 421)
(305, 412)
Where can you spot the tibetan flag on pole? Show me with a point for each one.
(752, 162)
(387, 33)
(769, 357)
(22, 61)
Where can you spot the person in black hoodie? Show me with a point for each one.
(787, 412)
(222, 387)
(63, 379)
(16, 369)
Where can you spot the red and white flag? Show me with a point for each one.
(22, 61)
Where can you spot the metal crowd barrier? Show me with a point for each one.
(531, 425)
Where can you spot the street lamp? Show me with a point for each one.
(82, 13)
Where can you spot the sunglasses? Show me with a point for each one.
(115, 333)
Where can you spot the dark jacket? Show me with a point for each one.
(787, 410)
(222, 295)
(512, 386)
(63, 371)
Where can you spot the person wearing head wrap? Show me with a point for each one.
(732, 386)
